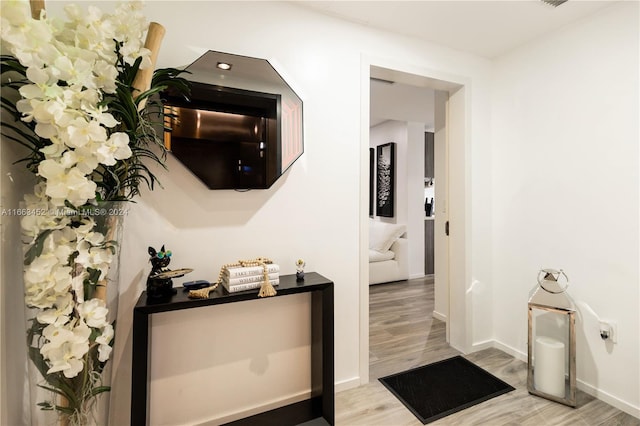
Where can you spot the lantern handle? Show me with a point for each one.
(543, 274)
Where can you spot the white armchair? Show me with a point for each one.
(388, 253)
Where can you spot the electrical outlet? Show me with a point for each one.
(611, 329)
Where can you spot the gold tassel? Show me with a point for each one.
(266, 289)
(202, 293)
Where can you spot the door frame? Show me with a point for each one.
(458, 121)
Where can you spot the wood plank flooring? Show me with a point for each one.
(403, 334)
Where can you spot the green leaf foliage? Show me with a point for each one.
(124, 180)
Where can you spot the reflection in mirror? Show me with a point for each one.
(242, 126)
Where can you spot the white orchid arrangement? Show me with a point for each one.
(68, 84)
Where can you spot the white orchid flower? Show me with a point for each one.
(16, 13)
(93, 312)
(77, 285)
(82, 158)
(104, 352)
(66, 184)
(63, 359)
(106, 119)
(74, 72)
(81, 132)
(40, 269)
(46, 130)
(116, 148)
(94, 238)
(23, 35)
(62, 252)
(56, 335)
(106, 75)
(107, 335)
(66, 347)
(45, 280)
(42, 111)
(40, 296)
(104, 340)
(55, 150)
(94, 257)
(59, 314)
(86, 226)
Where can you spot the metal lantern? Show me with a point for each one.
(552, 339)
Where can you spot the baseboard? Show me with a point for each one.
(522, 356)
(482, 345)
(256, 409)
(582, 385)
(609, 399)
(437, 315)
(343, 385)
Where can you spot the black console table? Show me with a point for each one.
(318, 409)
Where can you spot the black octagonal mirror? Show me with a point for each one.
(241, 127)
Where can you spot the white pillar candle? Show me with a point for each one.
(548, 370)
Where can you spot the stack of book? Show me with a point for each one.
(243, 278)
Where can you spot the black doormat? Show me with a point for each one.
(434, 391)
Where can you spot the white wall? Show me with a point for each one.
(409, 178)
(415, 197)
(312, 212)
(565, 189)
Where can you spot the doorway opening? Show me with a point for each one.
(449, 131)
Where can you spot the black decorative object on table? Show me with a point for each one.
(159, 282)
(194, 285)
(437, 390)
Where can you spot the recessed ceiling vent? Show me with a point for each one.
(554, 3)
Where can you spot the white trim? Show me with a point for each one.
(603, 396)
(363, 359)
(344, 385)
(522, 356)
(437, 315)
(582, 385)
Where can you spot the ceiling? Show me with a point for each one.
(484, 28)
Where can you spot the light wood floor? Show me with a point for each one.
(403, 334)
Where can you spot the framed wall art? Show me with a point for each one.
(386, 164)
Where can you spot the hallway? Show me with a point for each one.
(403, 334)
